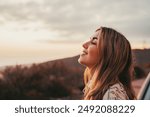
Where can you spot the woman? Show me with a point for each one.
(108, 58)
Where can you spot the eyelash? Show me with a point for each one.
(93, 43)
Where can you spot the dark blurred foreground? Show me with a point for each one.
(51, 80)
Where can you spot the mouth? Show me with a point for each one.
(84, 53)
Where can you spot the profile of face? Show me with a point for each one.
(89, 55)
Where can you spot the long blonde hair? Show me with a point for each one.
(114, 65)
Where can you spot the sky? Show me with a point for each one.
(42, 30)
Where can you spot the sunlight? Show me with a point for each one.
(28, 33)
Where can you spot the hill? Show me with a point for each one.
(142, 56)
(70, 61)
(57, 79)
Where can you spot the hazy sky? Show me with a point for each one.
(48, 29)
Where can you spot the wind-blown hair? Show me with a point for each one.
(114, 65)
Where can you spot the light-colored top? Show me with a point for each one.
(116, 92)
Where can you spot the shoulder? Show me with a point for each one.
(115, 92)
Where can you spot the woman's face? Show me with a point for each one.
(89, 55)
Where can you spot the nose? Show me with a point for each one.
(85, 44)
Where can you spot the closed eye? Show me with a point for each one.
(94, 40)
(94, 43)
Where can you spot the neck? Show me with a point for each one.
(91, 71)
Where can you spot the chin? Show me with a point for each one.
(81, 61)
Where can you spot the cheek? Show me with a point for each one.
(90, 59)
(93, 55)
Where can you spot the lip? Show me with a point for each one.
(84, 52)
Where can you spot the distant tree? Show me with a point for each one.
(39, 81)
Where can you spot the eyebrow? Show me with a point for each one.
(94, 38)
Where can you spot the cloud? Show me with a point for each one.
(79, 18)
